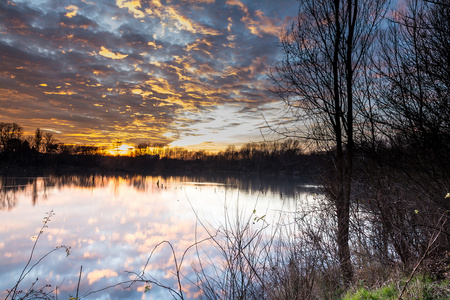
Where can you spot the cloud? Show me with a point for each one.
(134, 70)
(109, 54)
(99, 274)
(133, 7)
(259, 24)
(72, 11)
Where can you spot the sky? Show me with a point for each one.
(190, 73)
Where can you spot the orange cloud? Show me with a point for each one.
(262, 24)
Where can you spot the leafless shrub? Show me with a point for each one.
(34, 291)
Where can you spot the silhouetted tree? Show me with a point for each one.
(416, 65)
(10, 134)
(410, 172)
(38, 139)
(318, 79)
(50, 143)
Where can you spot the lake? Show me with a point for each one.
(112, 225)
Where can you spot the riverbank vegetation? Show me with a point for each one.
(370, 87)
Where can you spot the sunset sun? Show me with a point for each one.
(123, 149)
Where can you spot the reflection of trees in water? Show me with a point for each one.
(139, 182)
(8, 200)
(253, 182)
(79, 181)
(38, 187)
(9, 186)
(247, 182)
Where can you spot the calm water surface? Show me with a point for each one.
(113, 224)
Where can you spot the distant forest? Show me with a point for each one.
(42, 153)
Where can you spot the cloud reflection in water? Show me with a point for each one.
(112, 224)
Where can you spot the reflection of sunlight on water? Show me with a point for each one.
(112, 224)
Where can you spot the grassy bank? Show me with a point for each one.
(419, 287)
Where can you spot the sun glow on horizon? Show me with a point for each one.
(120, 150)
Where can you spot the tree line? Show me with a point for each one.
(13, 141)
(43, 151)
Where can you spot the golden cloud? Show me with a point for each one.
(195, 45)
(109, 54)
(171, 16)
(61, 93)
(160, 85)
(201, 1)
(73, 10)
(133, 7)
(141, 92)
(202, 91)
(183, 22)
(176, 100)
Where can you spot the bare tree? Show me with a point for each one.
(50, 144)
(318, 80)
(38, 139)
(9, 132)
(414, 113)
(415, 63)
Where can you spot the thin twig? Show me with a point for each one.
(24, 271)
(78, 286)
